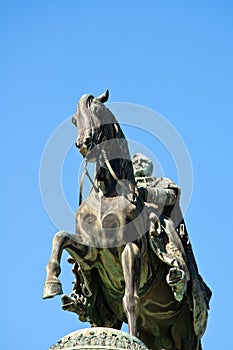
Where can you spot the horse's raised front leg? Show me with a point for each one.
(131, 264)
(61, 240)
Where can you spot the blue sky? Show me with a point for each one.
(174, 57)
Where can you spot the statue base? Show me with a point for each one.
(100, 338)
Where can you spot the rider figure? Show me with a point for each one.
(160, 196)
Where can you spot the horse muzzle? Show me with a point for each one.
(87, 152)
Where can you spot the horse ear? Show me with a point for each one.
(74, 121)
(104, 97)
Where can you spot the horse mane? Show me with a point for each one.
(126, 167)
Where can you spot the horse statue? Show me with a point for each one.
(120, 268)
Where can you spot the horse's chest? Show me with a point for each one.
(102, 223)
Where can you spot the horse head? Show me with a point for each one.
(101, 140)
(95, 124)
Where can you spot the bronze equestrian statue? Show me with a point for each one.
(132, 258)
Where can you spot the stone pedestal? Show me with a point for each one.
(99, 338)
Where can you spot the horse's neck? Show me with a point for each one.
(115, 168)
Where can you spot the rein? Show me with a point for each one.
(112, 172)
(85, 172)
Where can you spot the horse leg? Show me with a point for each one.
(131, 264)
(61, 240)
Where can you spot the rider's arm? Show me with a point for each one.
(161, 196)
(161, 191)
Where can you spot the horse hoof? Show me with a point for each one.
(51, 289)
